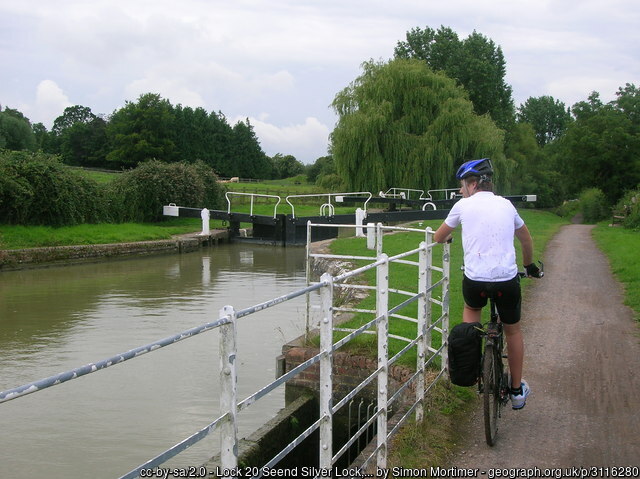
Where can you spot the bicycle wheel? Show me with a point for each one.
(491, 393)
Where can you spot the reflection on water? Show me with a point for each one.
(105, 424)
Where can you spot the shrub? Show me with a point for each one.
(139, 195)
(594, 205)
(331, 182)
(629, 206)
(568, 209)
(37, 189)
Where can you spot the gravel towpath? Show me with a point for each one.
(582, 362)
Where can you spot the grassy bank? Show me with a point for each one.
(621, 247)
(17, 237)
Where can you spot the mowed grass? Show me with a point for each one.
(543, 225)
(621, 246)
(17, 237)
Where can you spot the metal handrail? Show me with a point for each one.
(328, 196)
(403, 193)
(252, 195)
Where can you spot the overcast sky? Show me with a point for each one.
(280, 63)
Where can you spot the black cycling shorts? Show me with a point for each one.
(507, 294)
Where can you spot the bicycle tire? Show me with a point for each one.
(491, 393)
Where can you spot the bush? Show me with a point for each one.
(594, 205)
(37, 189)
(568, 209)
(331, 182)
(139, 195)
(629, 206)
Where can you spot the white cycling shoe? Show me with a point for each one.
(520, 400)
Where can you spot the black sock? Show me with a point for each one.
(516, 391)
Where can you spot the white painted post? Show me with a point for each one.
(204, 214)
(326, 383)
(382, 311)
(371, 236)
(429, 281)
(378, 239)
(360, 217)
(422, 329)
(307, 330)
(228, 391)
(446, 274)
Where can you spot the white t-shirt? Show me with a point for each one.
(488, 224)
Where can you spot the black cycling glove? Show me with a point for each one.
(532, 270)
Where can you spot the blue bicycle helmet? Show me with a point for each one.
(482, 168)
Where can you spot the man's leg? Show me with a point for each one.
(515, 345)
(471, 315)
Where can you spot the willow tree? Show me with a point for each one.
(402, 125)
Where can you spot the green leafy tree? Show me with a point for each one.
(533, 173)
(142, 131)
(80, 137)
(321, 167)
(15, 131)
(287, 166)
(476, 63)
(401, 124)
(249, 159)
(71, 116)
(85, 144)
(548, 117)
(601, 148)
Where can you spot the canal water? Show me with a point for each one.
(105, 424)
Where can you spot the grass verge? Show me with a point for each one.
(17, 237)
(431, 442)
(621, 246)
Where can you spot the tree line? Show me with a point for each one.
(149, 128)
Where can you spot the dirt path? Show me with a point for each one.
(583, 366)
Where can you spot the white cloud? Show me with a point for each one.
(49, 104)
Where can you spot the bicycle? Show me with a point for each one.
(494, 383)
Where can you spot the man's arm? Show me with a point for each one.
(526, 241)
(443, 234)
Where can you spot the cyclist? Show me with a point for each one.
(489, 224)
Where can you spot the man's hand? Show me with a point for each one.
(533, 270)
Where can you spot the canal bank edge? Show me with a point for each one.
(65, 255)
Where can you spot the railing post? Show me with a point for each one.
(204, 214)
(382, 311)
(326, 383)
(423, 321)
(446, 276)
(378, 239)
(307, 330)
(429, 281)
(228, 391)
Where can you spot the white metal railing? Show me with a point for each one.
(328, 205)
(426, 352)
(253, 196)
(227, 320)
(404, 193)
(448, 193)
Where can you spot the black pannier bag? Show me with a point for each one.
(465, 352)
